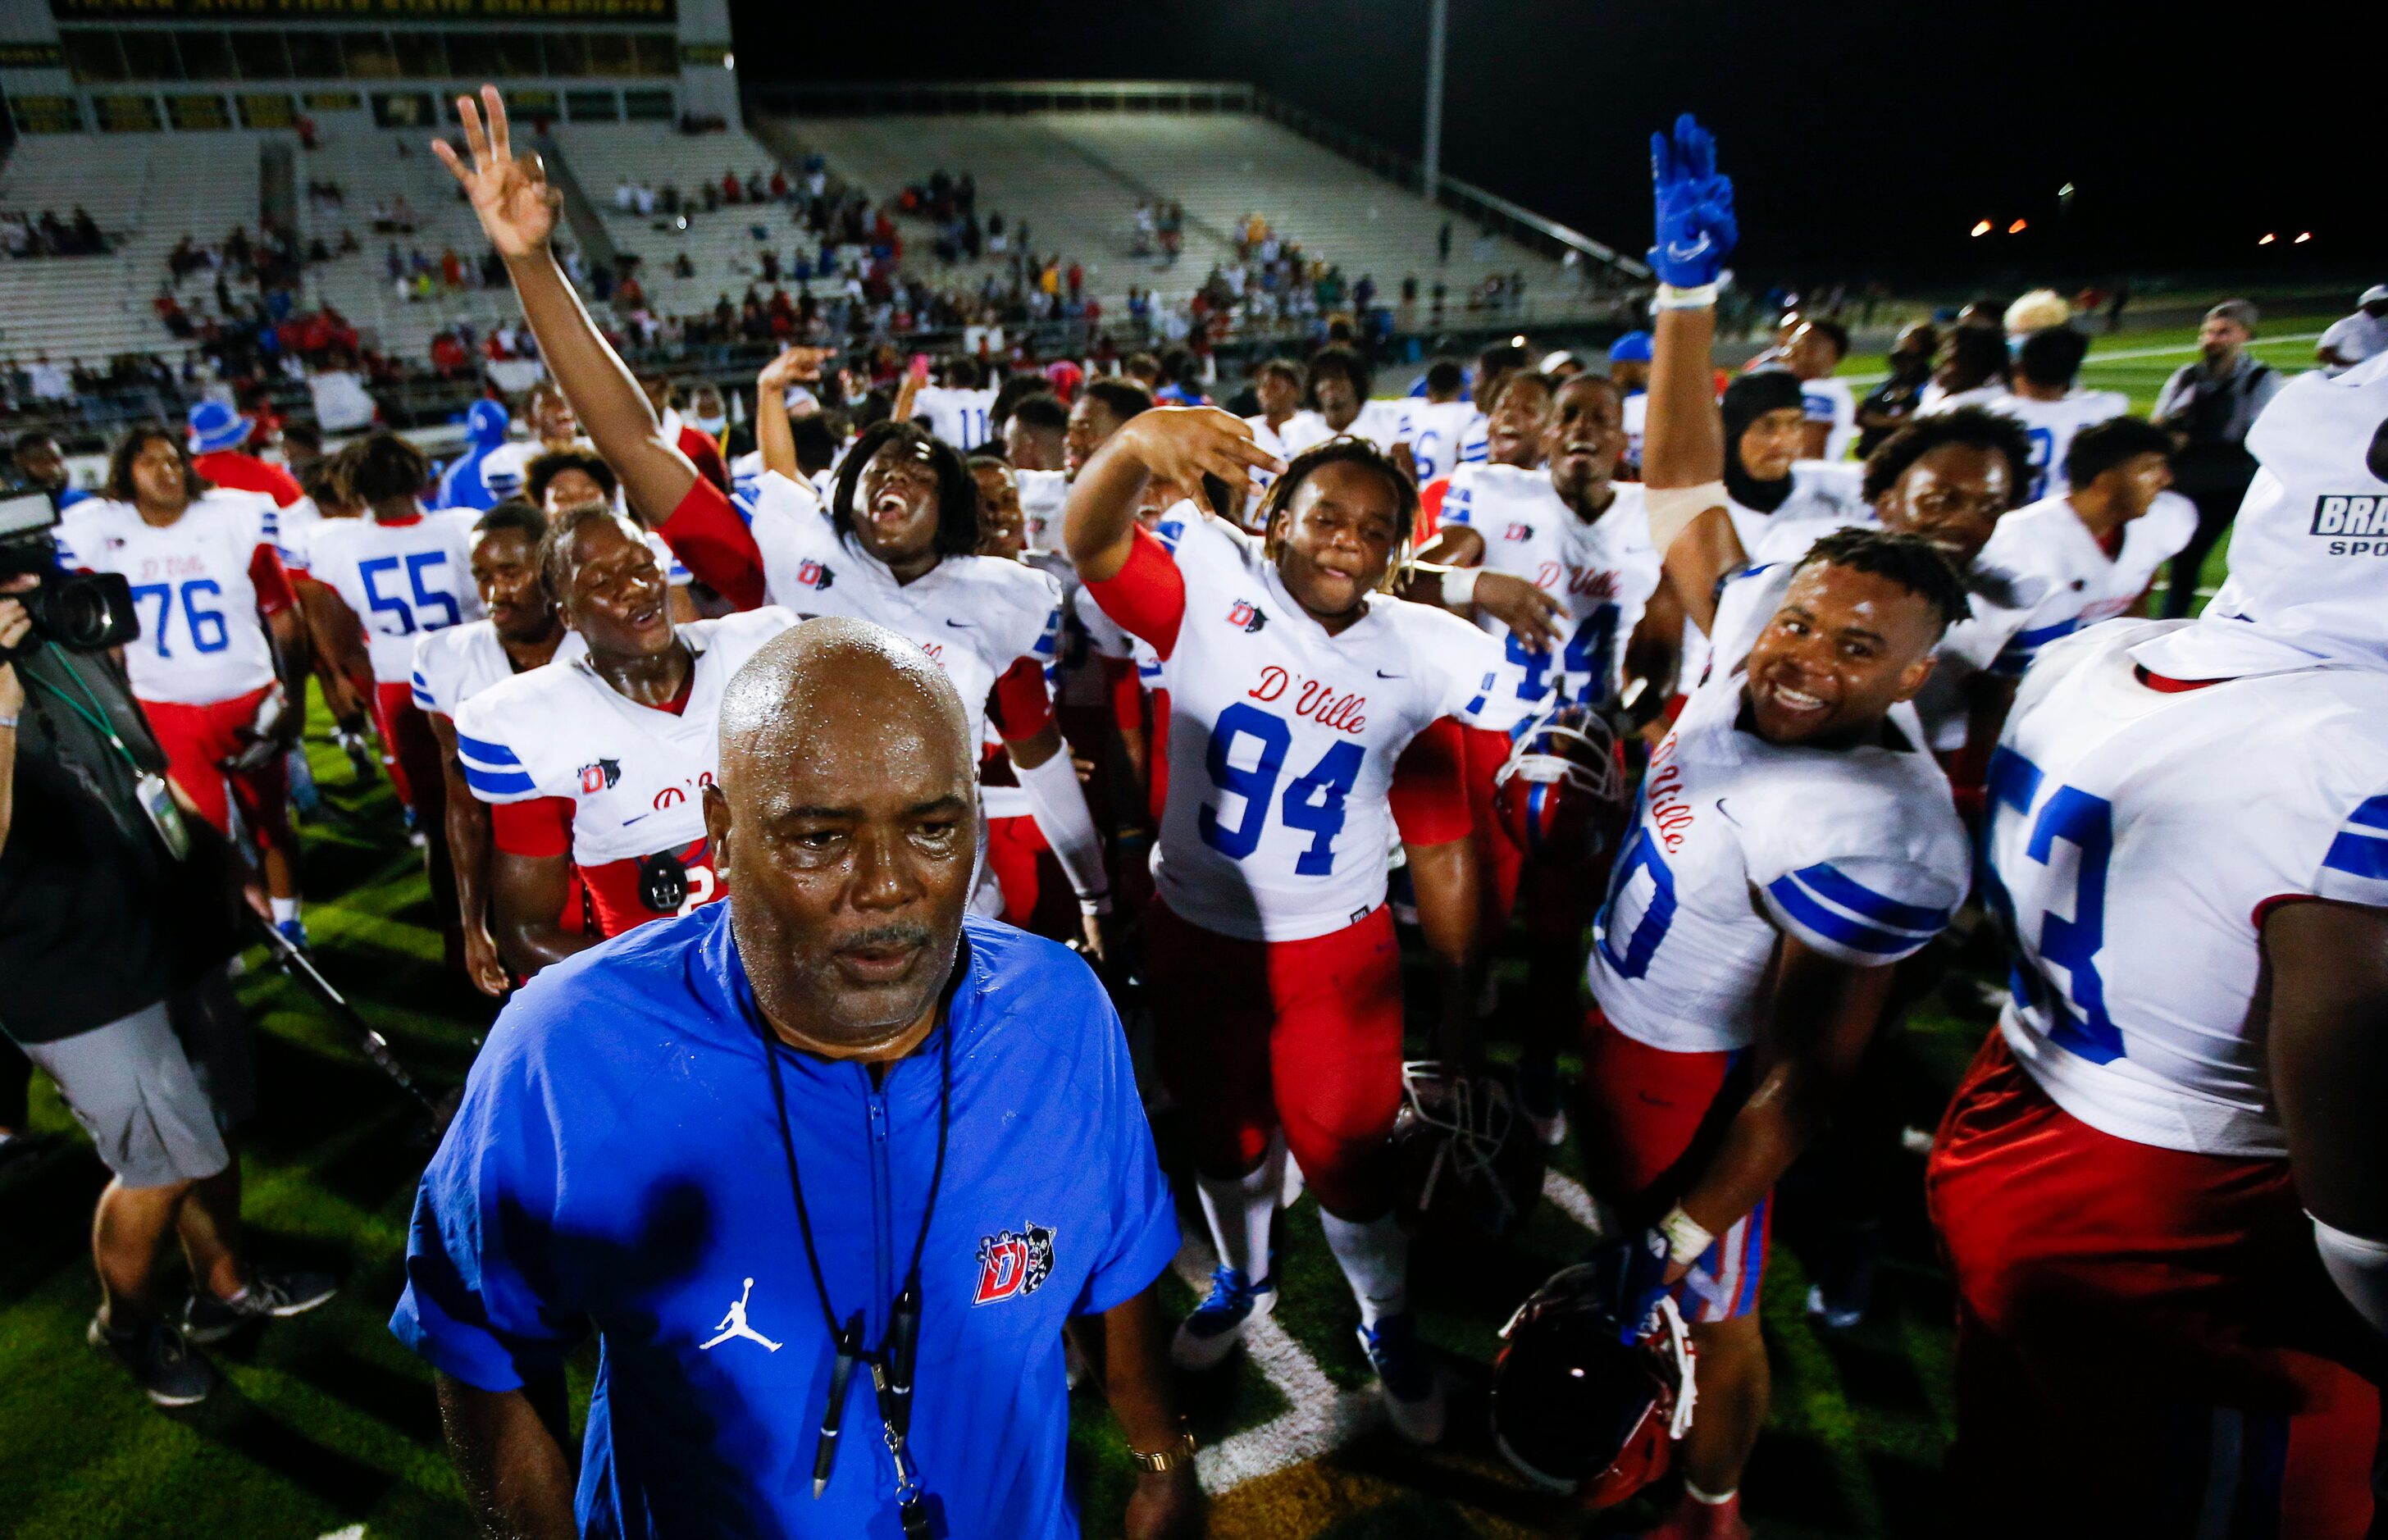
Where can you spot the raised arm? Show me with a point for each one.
(517, 211)
(1180, 443)
(775, 436)
(1683, 444)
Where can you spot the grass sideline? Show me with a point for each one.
(325, 1423)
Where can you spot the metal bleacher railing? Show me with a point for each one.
(1488, 209)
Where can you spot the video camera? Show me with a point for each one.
(79, 611)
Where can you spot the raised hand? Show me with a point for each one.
(1695, 226)
(796, 365)
(1185, 443)
(511, 197)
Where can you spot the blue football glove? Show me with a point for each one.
(1642, 1283)
(1696, 227)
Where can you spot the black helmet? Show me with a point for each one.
(1469, 1165)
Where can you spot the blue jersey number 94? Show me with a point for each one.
(1312, 802)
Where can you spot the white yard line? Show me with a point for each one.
(2096, 359)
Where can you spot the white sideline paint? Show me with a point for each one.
(1318, 1417)
(354, 1531)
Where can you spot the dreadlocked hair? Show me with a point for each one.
(383, 468)
(956, 492)
(1910, 561)
(1969, 426)
(1342, 450)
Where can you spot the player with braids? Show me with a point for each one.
(1307, 723)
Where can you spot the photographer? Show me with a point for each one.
(116, 919)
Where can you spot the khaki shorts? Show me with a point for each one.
(156, 1088)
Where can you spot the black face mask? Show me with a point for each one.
(1747, 399)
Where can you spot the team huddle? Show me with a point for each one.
(1737, 745)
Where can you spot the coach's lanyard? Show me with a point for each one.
(156, 798)
(891, 1362)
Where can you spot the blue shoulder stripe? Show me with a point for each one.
(495, 755)
(2373, 814)
(2359, 856)
(1834, 925)
(496, 783)
(1830, 881)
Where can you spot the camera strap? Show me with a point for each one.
(149, 788)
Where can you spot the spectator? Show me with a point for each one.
(1888, 406)
(2352, 339)
(2208, 406)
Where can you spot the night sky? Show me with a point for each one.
(1865, 137)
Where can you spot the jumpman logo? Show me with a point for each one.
(734, 1324)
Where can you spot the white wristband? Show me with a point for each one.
(2359, 1266)
(1698, 298)
(1670, 508)
(1685, 1238)
(1459, 586)
(7, 724)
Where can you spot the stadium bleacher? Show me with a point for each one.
(1077, 177)
(147, 192)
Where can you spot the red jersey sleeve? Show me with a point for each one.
(272, 580)
(714, 543)
(706, 455)
(1147, 596)
(1430, 790)
(533, 829)
(1022, 705)
(1430, 510)
(1126, 690)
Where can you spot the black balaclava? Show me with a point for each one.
(1745, 400)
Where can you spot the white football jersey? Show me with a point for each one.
(286, 528)
(633, 774)
(456, 663)
(2065, 579)
(1829, 401)
(1443, 436)
(201, 640)
(1301, 430)
(977, 616)
(400, 579)
(1857, 852)
(1043, 495)
(2051, 427)
(2136, 838)
(1637, 418)
(960, 417)
(1602, 573)
(1379, 422)
(1282, 740)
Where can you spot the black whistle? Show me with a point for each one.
(840, 1375)
(903, 1349)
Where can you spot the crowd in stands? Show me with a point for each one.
(45, 235)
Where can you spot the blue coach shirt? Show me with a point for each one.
(614, 1164)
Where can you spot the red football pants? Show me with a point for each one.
(414, 770)
(1036, 895)
(1303, 1034)
(198, 739)
(2146, 1331)
(1653, 1120)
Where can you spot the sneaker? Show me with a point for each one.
(1413, 1390)
(270, 1296)
(162, 1360)
(1217, 1324)
(1826, 1314)
(295, 932)
(1539, 1099)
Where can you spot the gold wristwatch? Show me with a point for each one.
(1177, 1454)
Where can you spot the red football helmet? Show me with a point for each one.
(1579, 1408)
(1561, 794)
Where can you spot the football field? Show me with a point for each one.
(326, 1426)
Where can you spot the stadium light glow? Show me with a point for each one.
(2017, 227)
(2065, 191)
(1518, 341)
(2267, 240)
(1983, 228)
(2303, 239)
(729, 63)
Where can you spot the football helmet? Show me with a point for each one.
(1583, 1402)
(1468, 1163)
(1560, 796)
